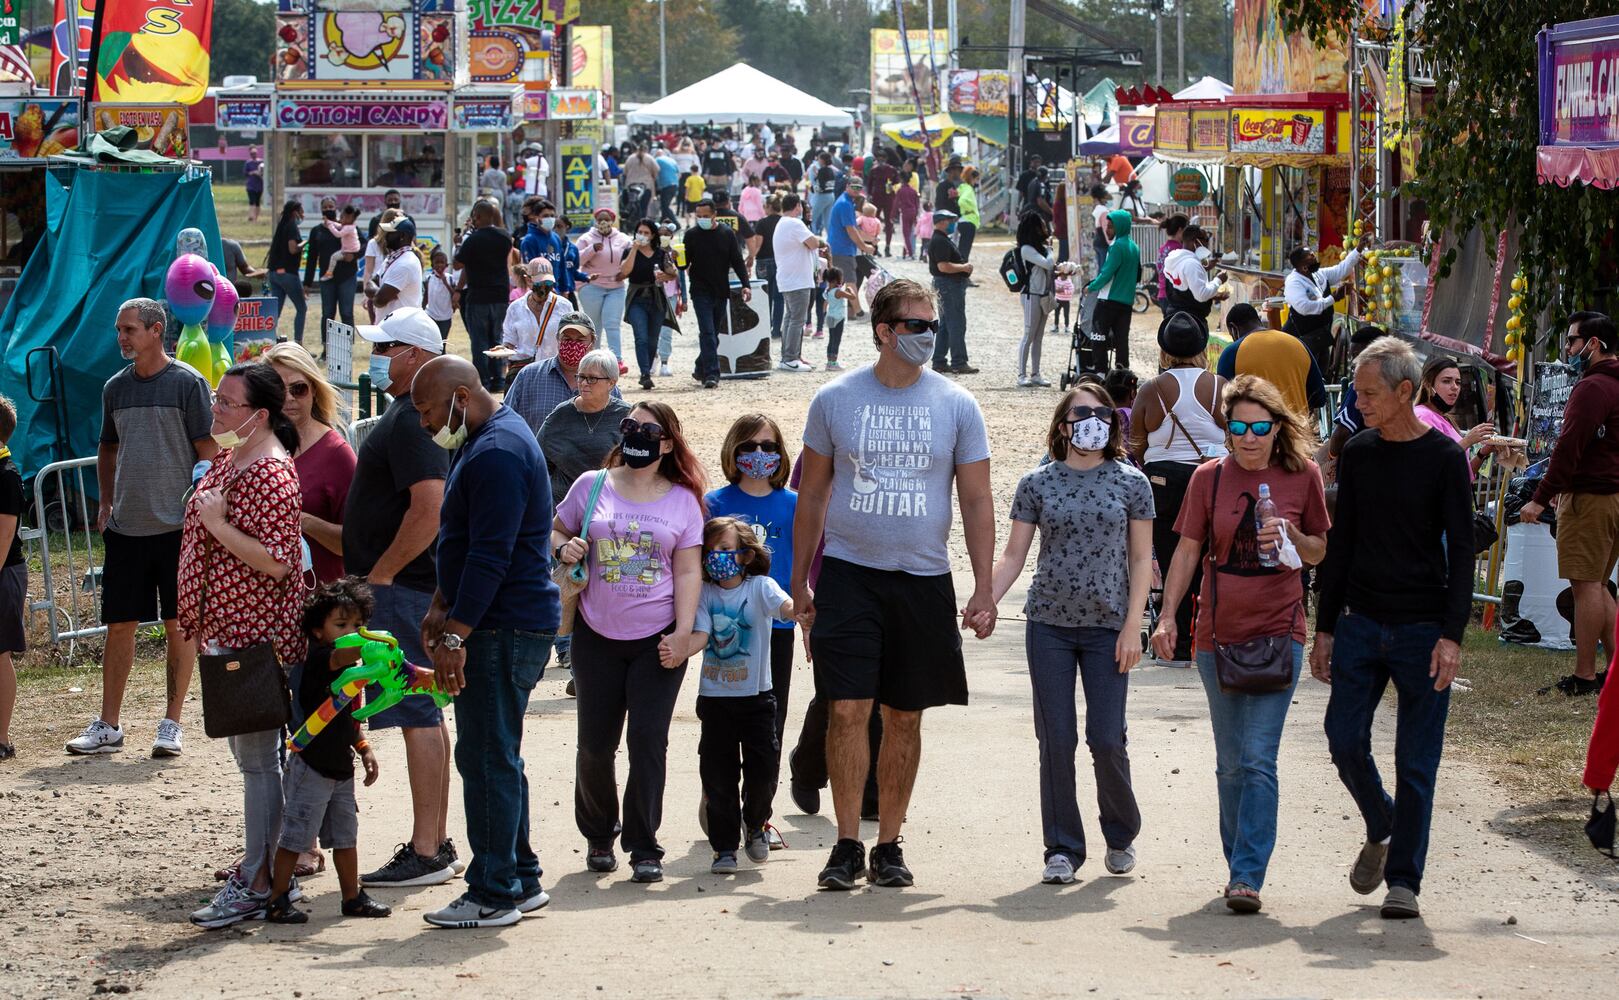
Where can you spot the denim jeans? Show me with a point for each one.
(286, 286)
(765, 269)
(605, 307)
(950, 350)
(1058, 657)
(820, 208)
(964, 239)
(646, 319)
(258, 758)
(1366, 655)
(336, 302)
(503, 665)
(711, 318)
(1247, 734)
(484, 320)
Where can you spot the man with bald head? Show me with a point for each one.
(490, 628)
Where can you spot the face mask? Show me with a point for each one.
(705, 223)
(663, 241)
(232, 439)
(604, 228)
(1577, 364)
(548, 223)
(571, 352)
(639, 450)
(950, 229)
(379, 372)
(914, 348)
(722, 564)
(1091, 434)
(451, 440)
(641, 239)
(758, 464)
(1438, 404)
(1203, 254)
(330, 213)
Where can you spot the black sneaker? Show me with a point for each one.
(646, 381)
(407, 868)
(964, 370)
(647, 870)
(601, 860)
(711, 383)
(448, 855)
(1573, 686)
(888, 866)
(845, 866)
(364, 906)
(807, 798)
(281, 911)
(7, 751)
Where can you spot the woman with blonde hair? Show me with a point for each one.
(1248, 594)
(324, 460)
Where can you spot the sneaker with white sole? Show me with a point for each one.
(98, 737)
(232, 904)
(797, 365)
(448, 855)
(1059, 870)
(535, 902)
(167, 743)
(664, 372)
(1023, 382)
(724, 863)
(758, 846)
(1121, 861)
(1041, 381)
(407, 868)
(464, 913)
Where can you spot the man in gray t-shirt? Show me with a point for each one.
(156, 425)
(883, 446)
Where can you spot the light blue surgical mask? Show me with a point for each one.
(548, 223)
(705, 223)
(380, 378)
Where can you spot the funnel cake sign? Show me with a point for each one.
(1278, 130)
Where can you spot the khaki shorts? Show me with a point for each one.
(1587, 535)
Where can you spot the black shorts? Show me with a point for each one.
(139, 577)
(254, 197)
(13, 608)
(886, 635)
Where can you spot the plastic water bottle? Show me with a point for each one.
(1264, 511)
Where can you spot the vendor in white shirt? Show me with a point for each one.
(1310, 300)
(533, 324)
(1187, 285)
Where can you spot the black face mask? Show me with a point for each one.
(330, 213)
(639, 450)
(1438, 404)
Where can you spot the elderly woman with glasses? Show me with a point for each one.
(1094, 512)
(1248, 593)
(580, 433)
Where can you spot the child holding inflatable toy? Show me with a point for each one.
(320, 777)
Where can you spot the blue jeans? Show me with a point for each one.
(1366, 655)
(712, 316)
(646, 319)
(605, 307)
(286, 286)
(484, 321)
(503, 665)
(820, 208)
(1247, 734)
(766, 271)
(950, 350)
(1059, 656)
(400, 610)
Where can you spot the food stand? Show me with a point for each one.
(31, 129)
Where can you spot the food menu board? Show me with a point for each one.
(36, 128)
(161, 128)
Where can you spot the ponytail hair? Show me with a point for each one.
(266, 391)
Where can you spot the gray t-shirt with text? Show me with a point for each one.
(154, 421)
(1082, 575)
(894, 455)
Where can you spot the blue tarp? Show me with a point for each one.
(109, 238)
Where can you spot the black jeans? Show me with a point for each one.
(1112, 322)
(808, 760)
(738, 742)
(950, 350)
(964, 239)
(1169, 481)
(483, 320)
(619, 679)
(666, 203)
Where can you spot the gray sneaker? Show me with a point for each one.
(758, 846)
(1121, 861)
(464, 913)
(1400, 904)
(535, 902)
(724, 863)
(167, 743)
(1059, 870)
(407, 868)
(98, 737)
(1367, 874)
(232, 904)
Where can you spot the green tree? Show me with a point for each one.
(699, 43)
(244, 39)
(1476, 165)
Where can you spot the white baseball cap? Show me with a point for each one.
(408, 325)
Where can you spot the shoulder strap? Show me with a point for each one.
(1214, 570)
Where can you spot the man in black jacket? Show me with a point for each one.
(713, 253)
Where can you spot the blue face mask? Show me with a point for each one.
(705, 223)
(379, 372)
(723, 564)
(950, 230)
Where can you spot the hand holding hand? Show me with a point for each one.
(804, 607)
(979, 615)
(672, 649)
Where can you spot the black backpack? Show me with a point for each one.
(1013, 270)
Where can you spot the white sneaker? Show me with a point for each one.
(167, 743)
(464, 913)
(663, 370)
(98, 737)
(1120, 862)
(1059, 870)
(795, 366)
(1023, 382)
(1041, 381)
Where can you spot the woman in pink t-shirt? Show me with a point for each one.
(1441, 387)
(644, 550)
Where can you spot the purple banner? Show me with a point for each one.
(1579, 83)
(347, 114)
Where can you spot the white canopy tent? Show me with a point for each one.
(740, 95)
(1206, 89)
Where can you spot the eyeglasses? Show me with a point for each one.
(629, 425)
(913, 325)
(221, 403)
(1078, 413)
(298, 390)
(589, 380)
(1261, 428)
(769, 447)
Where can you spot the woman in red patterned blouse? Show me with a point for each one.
(240, 585)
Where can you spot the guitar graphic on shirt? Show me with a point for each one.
(865, 480)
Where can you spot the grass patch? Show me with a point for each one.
(230, 206)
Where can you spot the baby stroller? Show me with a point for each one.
(633, 204)
(1087, 352)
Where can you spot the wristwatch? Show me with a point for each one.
(451, 641)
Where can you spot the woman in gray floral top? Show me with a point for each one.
(1094, 512)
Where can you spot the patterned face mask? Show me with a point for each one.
(722, 564)
(758, 464)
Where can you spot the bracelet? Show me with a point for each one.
(362, 746)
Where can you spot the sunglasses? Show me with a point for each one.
(383, 347)
(629, 425)
(769, 447)
(298, 390)
(912, 325)
(1078, 413)
(589, 380)
(1240, 427)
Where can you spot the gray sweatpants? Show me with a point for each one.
(1036, 310)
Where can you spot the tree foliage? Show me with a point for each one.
(1476, 165)
(244, 39)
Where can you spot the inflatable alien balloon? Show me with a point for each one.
(190, 240)
(191, 286)
(221, 324)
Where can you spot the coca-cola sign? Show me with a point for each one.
(1278, 130)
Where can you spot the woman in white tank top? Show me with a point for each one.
(1175, 425)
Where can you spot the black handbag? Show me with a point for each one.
(1600, 827)
(1484, 533)
(1263, 665)
(243, 690)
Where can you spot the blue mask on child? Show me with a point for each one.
(758, 464)
(722, 564)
